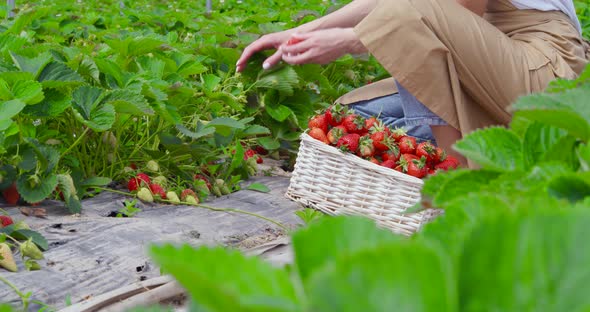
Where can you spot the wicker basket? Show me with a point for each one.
(336, 183)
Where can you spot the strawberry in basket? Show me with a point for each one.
(371, 140)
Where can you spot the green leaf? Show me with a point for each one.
(9, 109)
(326, 241)
(539, 139)
(461, 184)
(269, 143)
(567, 110)
(110, 68)
(529, 262)
(56, 75)
(37, 238)
(259, 187)
(52, 105)
(284, 80)
(256, 130)
(433, 183)
(128, 102)
(210, 82)
(493, 148)
(238, 283)
(195, 135)
(36, 192)
(7, 175)
(395, 277)
(224, 125)
(278, 112)
(28, 91)
(570, 187)
(88, 111)
(31, 65)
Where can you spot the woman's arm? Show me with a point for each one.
(347, 16)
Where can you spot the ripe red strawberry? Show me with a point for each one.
(374, 160)
(318, 121)
(398, 133)
(335, 114)
(427, 150)
(405, 160)
(157, 191)
(336, 133)
(449, 162)
(382, 141)
(319, 135)
(5, 221)
(144, 177)
(260, 150)
(186, 193)
(11, 195)
(389, 163)
(203, 178)
(369, 123)
(407, 145)
(392, 154)
(431, 171)
(349, 142)
(439, 155)
(354, 123)
(366, 148)
(259, 160)
(417, 168)
(249, 153)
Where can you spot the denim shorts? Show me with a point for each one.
(401, 110)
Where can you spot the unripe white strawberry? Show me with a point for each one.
(190, 199)
(152, 165)
(161, 180)
(145, 195)
(173, 197)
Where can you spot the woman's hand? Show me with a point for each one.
(270, 41)
(321, 46)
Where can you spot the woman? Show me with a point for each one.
(458, 65)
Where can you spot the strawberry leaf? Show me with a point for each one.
(283, 80)
(259, 187)
(346, 236)
(36, 192)
(278, 112)
(28, 91)
(7, 176)
(241, 283)
(570, 187)
(409, 277)
(540, 140)
(493, 148)
(52, 105)
(31, 65)
(59, 75)
(462, 184)
(532, 270)
(566, 110)
(128, 102)
(25, 234)
(9, 109)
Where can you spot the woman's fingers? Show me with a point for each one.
(273, 59)
(301, 58)
(263, 43)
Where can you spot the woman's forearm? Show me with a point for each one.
(347, 16)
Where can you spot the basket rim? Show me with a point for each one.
(359, 161)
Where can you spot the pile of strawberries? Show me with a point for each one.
(370, 139)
